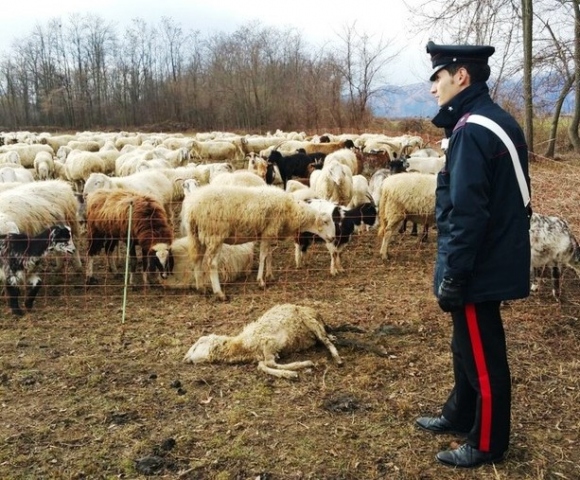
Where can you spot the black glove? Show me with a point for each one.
(450, 294)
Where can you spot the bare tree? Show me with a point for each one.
(361, 62)
(573, 128)
(527, 24)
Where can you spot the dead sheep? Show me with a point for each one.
(282, 330)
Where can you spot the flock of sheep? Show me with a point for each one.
(198, 206)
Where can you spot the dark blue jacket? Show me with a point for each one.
(483, 225)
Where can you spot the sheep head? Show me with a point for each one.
(202, 350)
(60, 239)
(160, 259)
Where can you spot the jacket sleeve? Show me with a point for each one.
(469, 189)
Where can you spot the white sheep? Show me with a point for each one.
(35, 206)
(209, 170)
(10, 175)
(10, 158)
(333, 182)
(360, 191)
(375, 184)
(405, 196)
(56, 141)
(234, 261)
(176, 158)
(425, 152)
(425, 164)
(26, 152)
(44, 166)
(130, 162)
(216, 150)
(217, 215)
(84, 145)
(80, 165)
(345, 156)
(282, 330)
(242, 178)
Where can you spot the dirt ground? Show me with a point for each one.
(86, 395)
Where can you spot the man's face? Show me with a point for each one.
(445, 86)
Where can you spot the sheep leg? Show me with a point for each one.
(317, 328)
(211, 263)
(89, 278)
(13, 294)
(196, 254)
(334, 261)
(424, 235)
(534, 279)
(35, 283)
(298, 255)
(390, 227)
(414, 230)
(133, 264)
(556, 282)
(264, 254)
(276, 372)
(94, 247)
(109, 249)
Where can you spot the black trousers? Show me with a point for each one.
(480, 401)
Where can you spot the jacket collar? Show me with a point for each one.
(450, 113)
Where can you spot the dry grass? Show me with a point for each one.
(85, 396)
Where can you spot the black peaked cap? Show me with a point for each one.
(443, 55)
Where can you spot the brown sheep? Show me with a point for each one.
(107, 224)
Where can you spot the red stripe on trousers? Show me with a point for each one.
(483, 377)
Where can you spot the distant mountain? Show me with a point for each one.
(415, 101)
(408, 101)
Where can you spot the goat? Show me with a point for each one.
(554, 245)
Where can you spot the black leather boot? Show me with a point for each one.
(438, 425)
(467, 456)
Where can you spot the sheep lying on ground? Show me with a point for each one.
(215, 215)
(405, 196)
(282, 330)
(234, 261)
(553, 245)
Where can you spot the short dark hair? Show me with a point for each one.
(478, 72)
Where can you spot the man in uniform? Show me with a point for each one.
(483, 249)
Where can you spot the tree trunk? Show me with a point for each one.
(573, 128)
(527, 22)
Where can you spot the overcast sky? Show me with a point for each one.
(319, 20)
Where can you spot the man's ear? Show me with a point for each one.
(463, 77)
